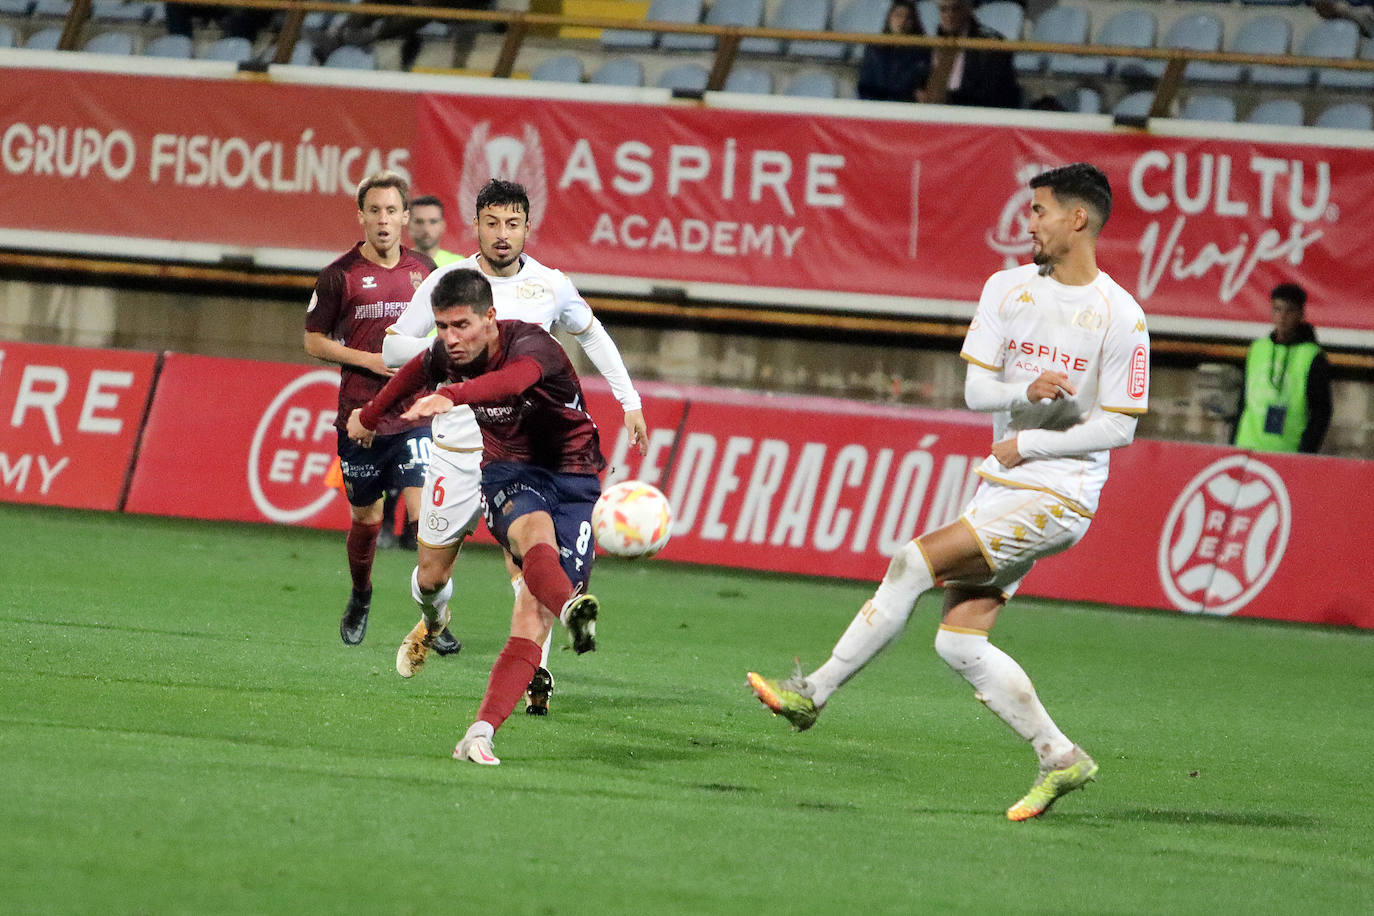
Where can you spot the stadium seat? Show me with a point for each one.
(750, 79)
(1005, 17)
(1277, 112)
(723, 13)
(6, 36)
(235, 50)
(815, 84)
(1081, 100)
(44, 40)
(1347, 115)
(1194, 32)
(866, 17)
(805, 15)
(119, 11)
(623, 71)
(680, 11)
(565, 68)
(816, 12)
(1208, 108)
(16, 8)
(1060, 25)
(1134, 105)
(1126, 29)
(110, 43)
(691, 77)
(351, 57)
(929, 15)
(302, 55)
(1350, 79)
(1267, 34)
(177, 46)
(1335, 38)
(51, 9)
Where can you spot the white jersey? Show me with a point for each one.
(537, 294)
(1027, 324)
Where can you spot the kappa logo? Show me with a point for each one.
(1225, 536)
(519, 159)
(293, 447)
(1011, 236)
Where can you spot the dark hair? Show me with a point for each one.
(498, 193)
(464, 287)
(1291, 293)
(1082, 182)
(914, 19)
(428, 200)
(384, 179)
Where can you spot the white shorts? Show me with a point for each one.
(452, 500)
(1015, 527)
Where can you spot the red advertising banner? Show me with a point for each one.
(237, 162)
(1201, 227)
(69, 422)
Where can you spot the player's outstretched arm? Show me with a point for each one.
(412, 377)
(605, 356)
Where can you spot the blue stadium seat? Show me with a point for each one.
(750, 79)
(1350, 79)
(1194, 32)
(808, 15)
(351, 57)
(815, 84)
(1004, 17)
(1209, 108)
(1081, 100)
(1060, 25)
(929, 15)
(1277, 112)
(235, 50)
(865, 17)
(1268, 34)
(6, 36)
(812, 13)
(44, 40)
(1335, 38)
(119, 11)
(723, 13)
(679, 11)
(565, 68)
(1347, 115)
(16, 8)
(1126, 29)
(175, 46)
(691, 77)
(1134, 105)
(623, 71)
(54, 9)
(110, 43)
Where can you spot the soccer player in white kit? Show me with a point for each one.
(1059, 354)
(524, 289)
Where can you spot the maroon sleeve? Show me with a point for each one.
(494, 387)
(410, 378)
(327, 302)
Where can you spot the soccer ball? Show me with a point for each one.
(632, 519)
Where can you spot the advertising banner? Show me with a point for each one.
(69, 422)
(235, 162)
(1201, 227)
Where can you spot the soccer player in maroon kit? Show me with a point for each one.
(356, 298)
(541, 457)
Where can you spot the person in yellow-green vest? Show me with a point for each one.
(1286, 402)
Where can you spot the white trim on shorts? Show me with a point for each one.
(1016, 526)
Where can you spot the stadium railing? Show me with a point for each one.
(520, 25)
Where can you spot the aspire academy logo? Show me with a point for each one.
(293, 447)
(519, 159)
(1225, 536)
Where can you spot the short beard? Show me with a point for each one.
(1045, 264)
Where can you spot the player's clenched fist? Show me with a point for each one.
(357, 431)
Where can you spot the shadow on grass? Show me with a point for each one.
(1277, 820)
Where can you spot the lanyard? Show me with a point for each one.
(1277, 378)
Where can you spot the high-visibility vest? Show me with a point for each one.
(1275, 376)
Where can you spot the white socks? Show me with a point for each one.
(878, 622)
(999, 682)
(433, 605)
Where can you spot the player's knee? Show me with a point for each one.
(426, 581)
(959, 650)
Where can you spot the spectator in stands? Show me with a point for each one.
(427, 228)
(1362, 16)
(234, 22)
(889, 73)
(1286, 402)
(982, 78)
(365, 31)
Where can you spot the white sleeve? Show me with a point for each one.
(1108, 431)
(985, 341)
(605, 356)
(411, 332)
(984, 390)
(574, 314)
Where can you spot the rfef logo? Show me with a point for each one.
(293, 447)
(1225, 536)
(1140, 374)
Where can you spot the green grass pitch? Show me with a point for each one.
(181, 731)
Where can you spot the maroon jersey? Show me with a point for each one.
(355, 301)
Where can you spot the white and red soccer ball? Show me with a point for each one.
(632, 519)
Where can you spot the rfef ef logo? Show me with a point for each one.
(293, 447)
(1225, 536)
